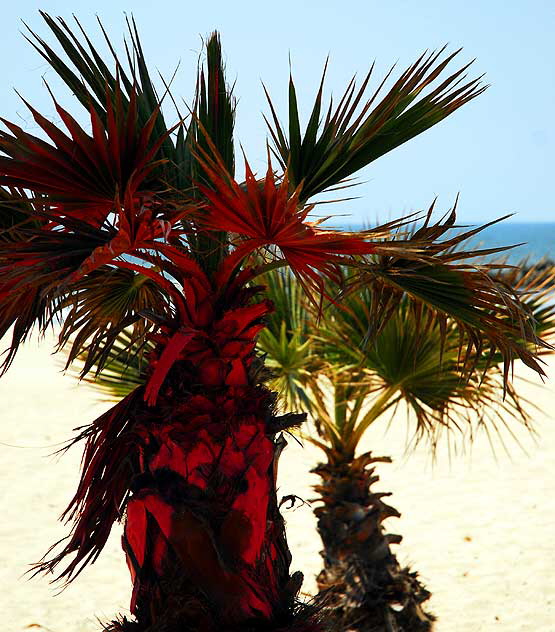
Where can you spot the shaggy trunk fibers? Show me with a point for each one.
(368, 591)
(189, 462)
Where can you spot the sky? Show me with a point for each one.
(496, 151)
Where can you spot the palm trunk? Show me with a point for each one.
(204, 538)
(367, 588)
(192, 458)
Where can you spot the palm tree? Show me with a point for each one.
(130, 224)
(348, 384)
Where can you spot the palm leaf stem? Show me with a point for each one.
(340, 407)
(352, 433)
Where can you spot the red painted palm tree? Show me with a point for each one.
(129, 224)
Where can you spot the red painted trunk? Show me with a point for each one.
(192, 457)
(204, 539)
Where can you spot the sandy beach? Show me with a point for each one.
(480, 530)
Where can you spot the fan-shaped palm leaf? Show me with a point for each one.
(357, 132)
(90, 79)
(125, 368)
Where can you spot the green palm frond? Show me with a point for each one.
(216, 105)
(211, 129)
(101, 308)
(286, 341)
(290, 304)
(432, 268)
(534, 285)
(33, 264)
(416, 359)
(362, 128)
(89, 78)
(124, 368)
(412, 364)
(291, 361)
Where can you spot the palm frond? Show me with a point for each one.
(33, 267)
(123, 369)
(415, 358)
(110, 461)
(101, 308)
(534, 285)
(76, 203)
(83, 174)
(357, 132)
(211, 128)
(215, 110)
(430, 268)
(266, 216)
(90, 79)
(16, 207)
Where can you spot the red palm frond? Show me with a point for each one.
(265, 214)
(139, 225)
(21, 310)
(90, 200)
(102, 305)
(109, 464)
(15, 210)
(52, 263)
(82, 174)
(32, 269)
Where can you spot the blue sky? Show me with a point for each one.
(497, 151)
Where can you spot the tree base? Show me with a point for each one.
(306, 617)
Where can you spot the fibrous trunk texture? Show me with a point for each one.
(193, 475)
(367, 589)
(203, 537)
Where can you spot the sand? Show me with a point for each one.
(480, 531)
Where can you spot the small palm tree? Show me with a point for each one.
(348, 384)
(131, 224)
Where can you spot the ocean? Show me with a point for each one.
(537, 239)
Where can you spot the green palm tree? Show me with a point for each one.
(348, 384)
(132, 224)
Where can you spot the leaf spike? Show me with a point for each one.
(430, 211)
(277, 124)
(110, 48)
(357, 100)
(328, 114)
(169, 93)
(368, 104)
(342, 106)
